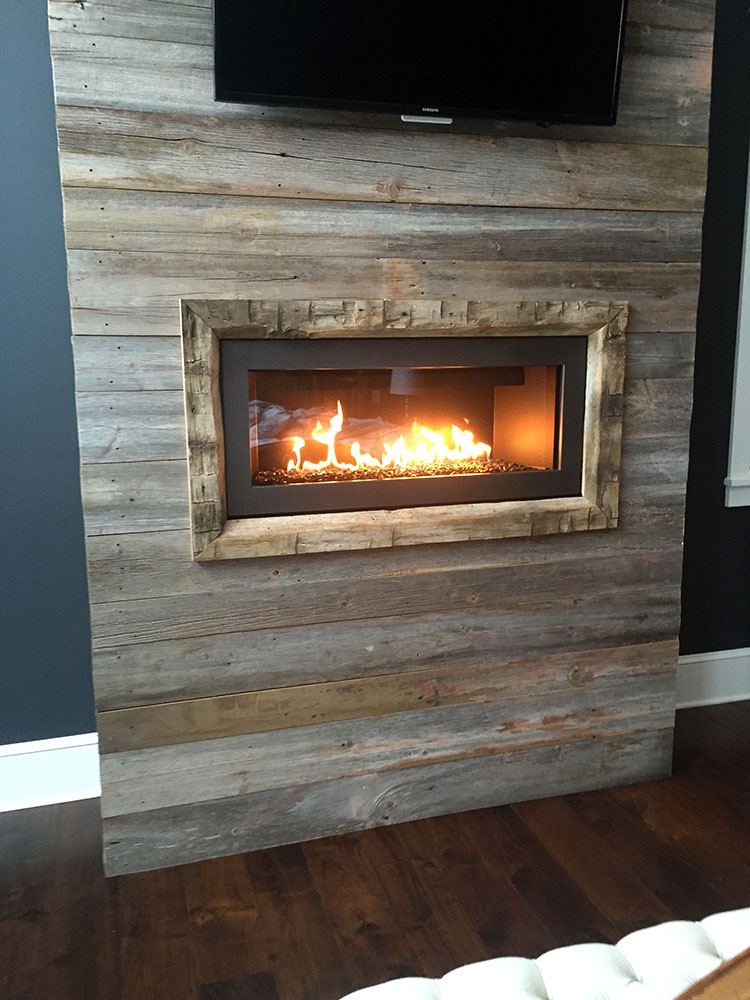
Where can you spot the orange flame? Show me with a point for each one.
(425, 447)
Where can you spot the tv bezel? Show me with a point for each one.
(422, 113)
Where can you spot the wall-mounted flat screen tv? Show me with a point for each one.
(534, 60)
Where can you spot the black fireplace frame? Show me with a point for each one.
(239, 356)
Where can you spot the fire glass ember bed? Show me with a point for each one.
(333, 425)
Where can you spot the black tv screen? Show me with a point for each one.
(537, 60)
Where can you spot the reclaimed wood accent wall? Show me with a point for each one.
(254, 702)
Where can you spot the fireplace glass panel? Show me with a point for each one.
(344, 425)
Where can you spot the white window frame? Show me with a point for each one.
(737, 483)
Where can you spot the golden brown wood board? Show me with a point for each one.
(731, 981)
(170, 196)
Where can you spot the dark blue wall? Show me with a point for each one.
(716, 578)
(45, 670)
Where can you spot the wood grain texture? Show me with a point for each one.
(142, 840)
(131, 294)
(484, 590)
(200, 771)
(165, 222)
(170, 196)
(205, 666)
(120, 148)
(132, 566)
(370, 697)
(731, 981)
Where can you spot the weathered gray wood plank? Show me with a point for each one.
(249, 822)
(105, 286)
(658, 407)
(664, 355)
(167, 222)
(162, 777)
(134, 496)
(166, 20)
(482, 591)
(158, 56)
(693, 15)
(206, 666)
(111, 148)
(191, 720)
(131, 426)
(127, 364)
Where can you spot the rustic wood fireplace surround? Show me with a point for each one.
(321, 676)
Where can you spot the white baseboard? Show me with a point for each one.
(713, 678)
(43, 772)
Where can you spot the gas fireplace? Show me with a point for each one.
(322, 425)
(353, 424)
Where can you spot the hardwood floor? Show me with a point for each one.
(313, 921)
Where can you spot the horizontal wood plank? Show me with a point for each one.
(234, 662)
(662, 355)
(134, 496)
(369, 697)
(108, 287)
(141, 780)
(127, 364)
(126, 566)
(166, 222)
(110, 148)
(491, 590)
(131, 426)
(144, 840)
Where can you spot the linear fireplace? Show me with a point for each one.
(355, 424)
(331, 425)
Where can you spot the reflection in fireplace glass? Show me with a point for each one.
(339, 425)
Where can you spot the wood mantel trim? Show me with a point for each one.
(205, 323)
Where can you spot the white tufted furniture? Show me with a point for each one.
(657, 963)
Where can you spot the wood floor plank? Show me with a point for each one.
(223, 918)
(556, 898)
(301, 948)
(374, 945)
(610, 885)
(155, 957)
(703, 827)
(456, 851)
(250, 986)
(638, 849)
